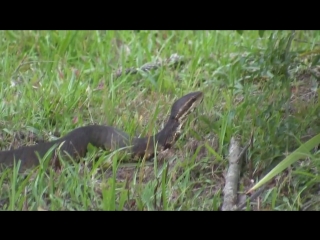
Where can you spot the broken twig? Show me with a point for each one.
(232, 179)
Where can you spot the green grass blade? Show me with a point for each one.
(299, 153)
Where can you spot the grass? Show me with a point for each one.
(55, 81)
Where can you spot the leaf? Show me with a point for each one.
(299, 153)
(123, 199)
(240, 31)
(261, 32)
(164, 188)
(315, 61)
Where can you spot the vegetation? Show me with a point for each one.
(260, 83)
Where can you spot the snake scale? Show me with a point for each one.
(75, 143)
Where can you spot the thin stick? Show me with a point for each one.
(251, 199)
(172, 60)
(232, 179)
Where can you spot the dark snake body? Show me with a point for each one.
(75, 143)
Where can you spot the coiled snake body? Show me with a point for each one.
(75, 143)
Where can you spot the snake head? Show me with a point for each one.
(185, 105)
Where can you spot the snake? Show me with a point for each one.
(75, 143)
